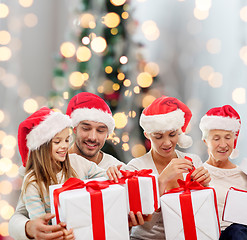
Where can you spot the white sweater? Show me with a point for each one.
(155, 228)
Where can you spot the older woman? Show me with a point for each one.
(164, 123)
(220, 129)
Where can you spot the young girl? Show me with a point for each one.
(43, 140)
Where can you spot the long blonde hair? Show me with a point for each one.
(39, 169)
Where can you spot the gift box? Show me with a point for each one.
(142, 191)
(235, 206)
(190, 212)
(95, 209)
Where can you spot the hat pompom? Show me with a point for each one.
(234, 154)
(184, 141)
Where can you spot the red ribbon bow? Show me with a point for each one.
(94, 188)
(134, 189)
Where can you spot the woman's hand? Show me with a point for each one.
(201, 175)
(67, 234)
(138, 218)
(175, 167)
(113, 173)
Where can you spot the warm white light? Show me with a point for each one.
(138, 150)
(67, 49)
(200, 15)
(152, 68)
(144, 79)
(88, 21)
(120, 119)
(83, 54)
(239, 95)
(111, 20)
(215, 80)
(4, 37)
(205, 72)
(203, 5)
(117, 2)
(214, 46)
(30, 105)
(4, 11)
(123, 60)
(26, 3)
(147, 100)
(98, 44)
(30, 20)
(85, 40)
(243, 14)
(5, 53)
(150, 30)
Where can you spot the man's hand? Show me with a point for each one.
(40, 230)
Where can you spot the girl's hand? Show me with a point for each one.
(67, 234)
(202, 176)
(175, 167)
(138, 219)
(114, 173)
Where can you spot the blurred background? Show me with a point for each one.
(129, 52)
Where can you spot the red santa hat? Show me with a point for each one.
(88, 106)
(222, 118)
(165, 114)
(40, 128)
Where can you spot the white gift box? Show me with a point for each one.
(143, 193)
(75, 210)
(235, 208)
(204, 213)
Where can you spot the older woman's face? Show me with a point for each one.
(220, 144)
(164, 143)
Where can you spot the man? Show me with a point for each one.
(93, 122)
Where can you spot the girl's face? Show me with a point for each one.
(164, 143)
(60, 145)
(220, 144)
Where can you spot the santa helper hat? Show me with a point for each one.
(88, 106)
(40, 128)
(165, 114)
(222, 118)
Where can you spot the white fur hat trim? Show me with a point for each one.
(162, 122)
(218, 122)
(93, 114)
(47, 129)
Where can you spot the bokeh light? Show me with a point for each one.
(144, 79)
(83, 54)
(239, 95)
(1, 116)
(77, 79)
(138, 150)
(203, 5)
(67, 49)
(150, 30)
(200, 15)
(5, 187)
(215, 80)
(30, 105)
(123, 60)
(147, 100)
(205, 72)
(243, 14)
(30, 20)
(5, 53)
(214, 46)
(152, 68)
(98, 44)
(111, 20)
(5, 38)
(4, 11)
(88, 20)
(120, 119)
(26, 3)
(117, 2)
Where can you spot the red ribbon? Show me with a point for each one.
(187, 207)
(134, 190)
(94, 188)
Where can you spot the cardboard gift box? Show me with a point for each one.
(95, 209)
(142, 191)
(190, 212)
(235, 206)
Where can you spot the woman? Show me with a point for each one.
(164, 123)
(220, 129)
